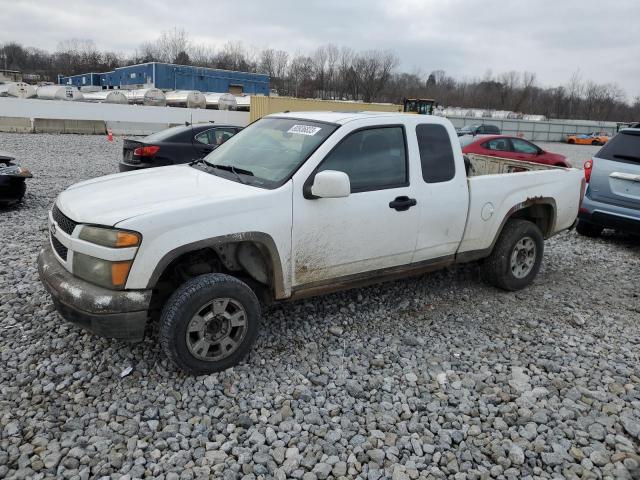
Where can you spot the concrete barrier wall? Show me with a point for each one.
(139, 119)
(15, 125)
(54, 125)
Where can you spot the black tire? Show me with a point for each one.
(596, 143)
(498, 269)
(588, 229)
(571, 141)
(196, 296)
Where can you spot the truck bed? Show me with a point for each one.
(486, 165)
(497, 184)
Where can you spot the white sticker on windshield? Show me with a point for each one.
(304, 129)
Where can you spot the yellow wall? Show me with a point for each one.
(261, 106)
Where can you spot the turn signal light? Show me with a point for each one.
(148, 151)
(588, 166)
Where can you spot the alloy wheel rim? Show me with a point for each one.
(217, 329)
(523, 257)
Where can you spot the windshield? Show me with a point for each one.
(269, 151)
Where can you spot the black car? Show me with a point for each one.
(12, 180)
(480, 129)
(175, 145)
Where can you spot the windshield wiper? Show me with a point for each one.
(230, 168)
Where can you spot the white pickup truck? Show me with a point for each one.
(296, 204)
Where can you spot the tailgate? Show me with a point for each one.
(128, 146)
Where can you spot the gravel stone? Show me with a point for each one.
(438, 376)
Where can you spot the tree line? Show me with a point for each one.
(333, 72)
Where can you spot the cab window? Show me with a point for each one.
(436, 154)
(373, 158)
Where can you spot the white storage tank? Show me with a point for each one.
(106, 96)
(59, 92)
(17, 89)
(146, 96)
(221, 101)
(186, 98)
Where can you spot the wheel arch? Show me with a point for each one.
(265, 247)
(539, 210)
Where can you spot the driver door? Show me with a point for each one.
(371, 229)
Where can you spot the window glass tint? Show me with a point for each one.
(436, 154)
(223, 134)
(501, 144)
(205, 137)
(489, 129)
(522, 146)
(374, 159)
(169, 134)
(624, 147)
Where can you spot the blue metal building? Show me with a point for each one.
(167, 76)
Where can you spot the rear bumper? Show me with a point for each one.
(610, 216)
(129, 167)
(108, 313)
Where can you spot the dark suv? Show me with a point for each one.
(480, 129)
(612, 199)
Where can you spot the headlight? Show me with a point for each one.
(109, 237)
(97, 270)
(15, 171)
(101, 272)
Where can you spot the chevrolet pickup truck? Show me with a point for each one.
(296, 204)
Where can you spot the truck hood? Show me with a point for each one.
(113, 198)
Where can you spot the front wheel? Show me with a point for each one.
(209, 323)
(516, 257)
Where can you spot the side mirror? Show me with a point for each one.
(331, 184)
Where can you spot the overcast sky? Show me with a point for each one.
(552, 38)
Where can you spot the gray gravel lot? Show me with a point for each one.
(431, 377)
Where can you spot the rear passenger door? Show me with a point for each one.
(499, 147)
(442, 192)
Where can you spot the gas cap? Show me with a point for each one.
(487, 211)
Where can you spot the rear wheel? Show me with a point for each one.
(597, 143)
(516, 257)
(209, 323)
(571, 140)
(588, 229)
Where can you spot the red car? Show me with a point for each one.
(513, 148)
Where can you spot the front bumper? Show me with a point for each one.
(108, 313)
(610, 216)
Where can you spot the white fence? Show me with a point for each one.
(122, 119)
(543, 131)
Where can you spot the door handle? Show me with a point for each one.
(402, 203)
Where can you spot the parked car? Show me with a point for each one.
(612, 199)
(593, 138)
(297, 204)
(12, 180)
(480, 129)
(514, 148)
(181, 144)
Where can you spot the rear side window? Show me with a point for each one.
(490, 129)
(374, 159)
(436, 154)
(501, 144)
(624, 147)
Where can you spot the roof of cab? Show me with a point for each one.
(335, 117)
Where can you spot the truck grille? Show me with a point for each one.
(60, 249)
(65, 223)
